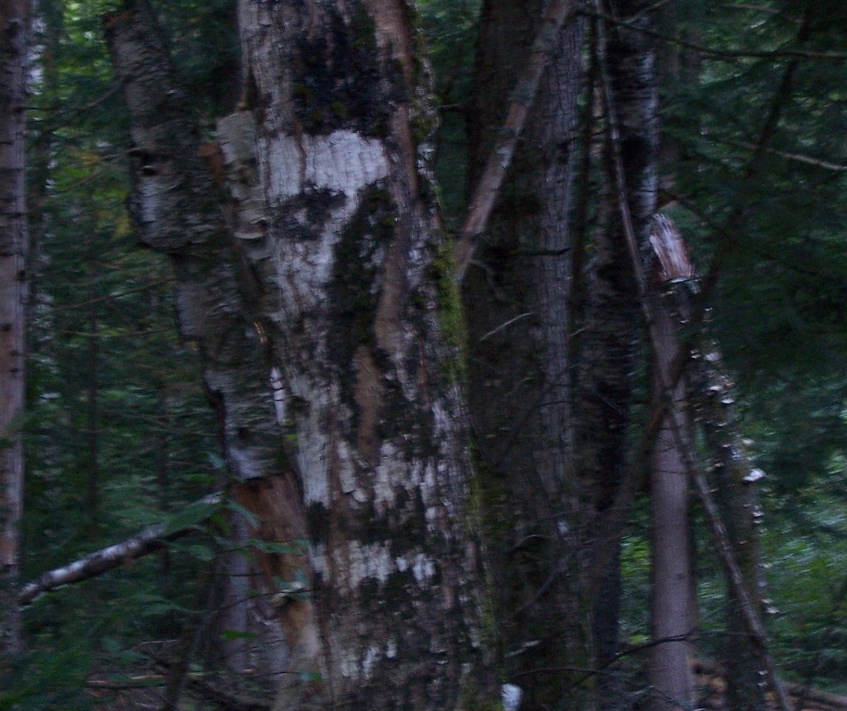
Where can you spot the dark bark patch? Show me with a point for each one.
(317, 522)
(355, 290)
(346, 84)
(302, 217)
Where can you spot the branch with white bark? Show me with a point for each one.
(148, 541)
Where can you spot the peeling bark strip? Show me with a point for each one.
(14, 247)
(357, 283)
(488, 187)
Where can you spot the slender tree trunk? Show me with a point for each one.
(14, 48)
(610, 342)
(515, 296)
(330, 265)
(92, 435)
(672, 611)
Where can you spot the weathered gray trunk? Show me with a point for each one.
(610, 342)
(735, 480)
(14, 46)
(515, 296)
(672, 610)
(323, 299)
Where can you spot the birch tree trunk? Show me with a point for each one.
(515, 294)
(610, 342)
(14, 240)
(323, 298)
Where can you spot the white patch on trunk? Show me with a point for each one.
(372, 560)
(342, 162)
(423, 568)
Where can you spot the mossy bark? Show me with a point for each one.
(309, 276)
(350, 284)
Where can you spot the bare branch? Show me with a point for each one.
(94, 564)
(485, 195)
(721, 54)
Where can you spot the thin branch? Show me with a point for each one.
(148, 541)
(798, 157)
(487, 189)
(720, 54)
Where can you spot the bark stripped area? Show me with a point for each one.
(178, 209)
(357, 291)
(515, 294)
(14, 240)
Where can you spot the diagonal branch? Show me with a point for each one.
(487, 189)
(148, 541)
(682, 440)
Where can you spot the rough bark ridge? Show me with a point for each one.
(178, 209)
(357, 291)
(515, 295)
(612, 315)
(14, 45)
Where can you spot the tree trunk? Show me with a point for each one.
(328, 275)
(14, 48)
(515, 294)
(610, 342)
(672, 610)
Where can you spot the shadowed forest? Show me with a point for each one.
(449, 354)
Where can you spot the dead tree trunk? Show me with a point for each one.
(609, 352)
(14, 240)
(328, 276)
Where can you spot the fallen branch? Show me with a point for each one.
(148, 541)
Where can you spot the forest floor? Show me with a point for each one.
(713, 693)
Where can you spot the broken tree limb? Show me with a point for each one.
(733, 476)
(148, 541)
(723, 545)
(486, 191)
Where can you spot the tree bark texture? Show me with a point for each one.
(181, 207)
(357, 287)
(324, 300)
(610, 342)
(672, 612)
(515, 294)
(14, 241)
